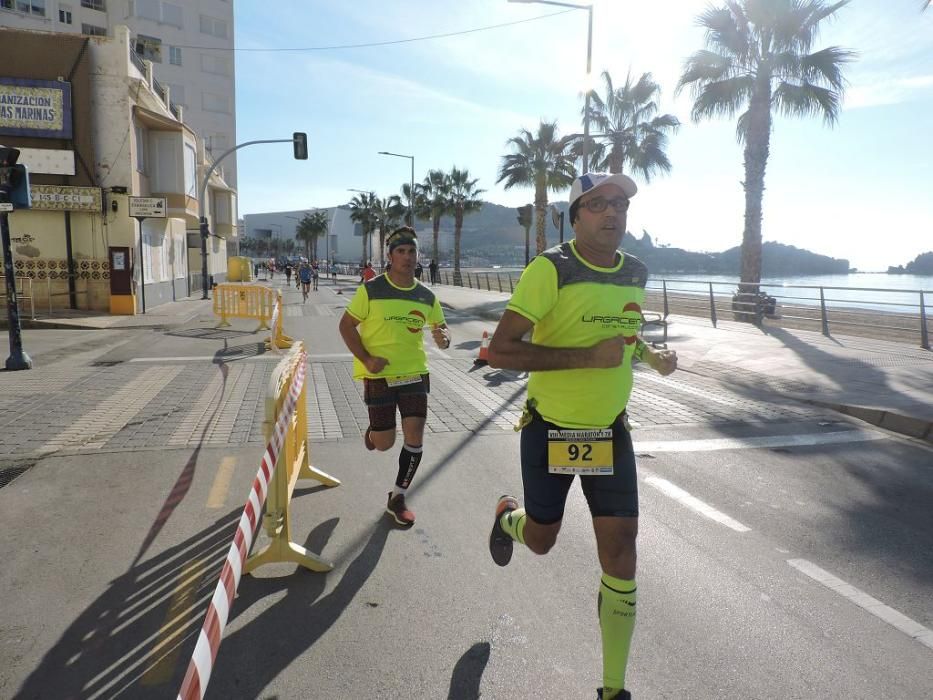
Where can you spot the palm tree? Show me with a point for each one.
(311, 227)
(387, 214)
(361, 211)
(759, 59)
(633, 136)
(464, 199)
(435, 191)
(543, 161)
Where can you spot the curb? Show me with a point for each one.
(911, 426)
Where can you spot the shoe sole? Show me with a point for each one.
(500, 544)
(402, 523)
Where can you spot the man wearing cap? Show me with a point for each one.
(583, 300)
(382, 327)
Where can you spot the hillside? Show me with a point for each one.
(493, 236)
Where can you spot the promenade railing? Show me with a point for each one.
(873, 312)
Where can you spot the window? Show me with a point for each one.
(93, 30)
(149, 47)
(94, 5)
(214, 27)
(215, 103)
(191, 168)
(172, 15)
(141, 148)
(34, 7)
(216, 144)
(64, 14)
(174, 55)
(212, 63)
(145, 9)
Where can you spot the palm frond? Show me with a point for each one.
(704, 67)
(722, 98)
(807, 99)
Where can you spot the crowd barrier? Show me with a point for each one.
(285, 460)
(277, 339)
(244, 301)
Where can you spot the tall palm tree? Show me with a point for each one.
(464, 199)
(387, 214)
(759, 59)
(435, 192)
(311, 227)
(361, 211)
(543, 161)
(634, 136)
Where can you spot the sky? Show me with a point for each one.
(862, 190)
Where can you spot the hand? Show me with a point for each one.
(664, 362)
(607, 353)
(441, 337)
(374, 365)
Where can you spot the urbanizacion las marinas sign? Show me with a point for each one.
(35, 108)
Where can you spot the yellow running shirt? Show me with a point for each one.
(391, 319)
(574, 304)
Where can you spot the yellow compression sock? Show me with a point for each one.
(513, 522)
(617, 622)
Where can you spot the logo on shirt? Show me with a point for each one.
(414, 320)
(628, 322)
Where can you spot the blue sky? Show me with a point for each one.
(861, 190)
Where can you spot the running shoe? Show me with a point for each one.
(368, 441)
(399, 511)
(500, 544)
(624, 695)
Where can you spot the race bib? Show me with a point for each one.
(584, 452)
(404, 380)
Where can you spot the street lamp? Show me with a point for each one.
(411, 191)
(589, 61)
(372, 196)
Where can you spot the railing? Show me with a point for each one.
(889, 314)
(24, 291)
(138, 62)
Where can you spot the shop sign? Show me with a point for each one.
(35, 108)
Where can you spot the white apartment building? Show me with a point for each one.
(190, 44)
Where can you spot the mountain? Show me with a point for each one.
(921, 265)
(493, 236)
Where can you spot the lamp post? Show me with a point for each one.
(589, 62)
(411, 191)
(366, 235)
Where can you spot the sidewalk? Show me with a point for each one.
(883, 383)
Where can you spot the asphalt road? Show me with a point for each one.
(784, 552)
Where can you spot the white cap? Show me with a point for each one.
(591, 181)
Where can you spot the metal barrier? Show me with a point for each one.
(284, 461)
(22, 285)
(889, 314)
(244, 301)
(293, 463)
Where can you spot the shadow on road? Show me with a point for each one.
(468, 673)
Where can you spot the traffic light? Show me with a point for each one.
(300, 142)
(524, 215)
(14, 180)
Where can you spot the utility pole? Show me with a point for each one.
(14, 194)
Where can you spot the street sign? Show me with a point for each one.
(147, 207)
(6, 206)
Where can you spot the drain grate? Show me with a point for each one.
(7, 475)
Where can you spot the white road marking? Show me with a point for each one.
(894, 618)
(201, 358)
(320, 357)
(694, 503)
(94, 429)
(712, 444)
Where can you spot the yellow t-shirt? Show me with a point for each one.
(575, 304)
(391, 321)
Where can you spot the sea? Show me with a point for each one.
(880, 291)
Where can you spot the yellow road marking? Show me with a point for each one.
(218, 495)
(168, 642)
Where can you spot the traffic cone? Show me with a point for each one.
(483, 358)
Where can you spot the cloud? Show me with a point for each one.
(882, 90)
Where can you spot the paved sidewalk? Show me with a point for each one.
(884, 383)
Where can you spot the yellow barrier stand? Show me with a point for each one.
(293, 464)
(244, 301)
(277, 339)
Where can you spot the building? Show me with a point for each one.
(344, 241)
(189, 42)
(99, 133)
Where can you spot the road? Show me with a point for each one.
(784, 551)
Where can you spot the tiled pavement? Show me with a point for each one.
(184, 404)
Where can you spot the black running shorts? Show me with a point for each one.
(546, 493)
(382, 400)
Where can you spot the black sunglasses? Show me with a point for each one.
(597, 205)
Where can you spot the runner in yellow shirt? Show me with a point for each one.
(382, 327)
(583, 299)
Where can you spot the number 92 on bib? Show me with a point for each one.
(583, 452)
